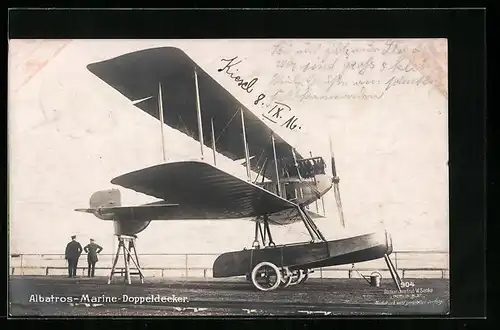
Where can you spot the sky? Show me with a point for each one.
(383, 104)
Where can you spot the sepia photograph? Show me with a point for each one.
(228, 177)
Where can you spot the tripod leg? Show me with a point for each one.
(138, 264)
(115, 261)
(129, 254)
(127, 271)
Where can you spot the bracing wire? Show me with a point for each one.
(225, 127)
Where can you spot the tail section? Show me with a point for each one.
(101, 202)
(105, 198)
(128, 220)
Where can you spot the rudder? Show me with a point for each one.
(103, 198)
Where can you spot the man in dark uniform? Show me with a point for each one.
(92, 250)
(73, 252)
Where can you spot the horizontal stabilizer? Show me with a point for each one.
(139, 212)
(86, 210)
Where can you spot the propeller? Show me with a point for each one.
(335, 180)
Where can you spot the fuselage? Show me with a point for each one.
(302, 182)
(300, 191)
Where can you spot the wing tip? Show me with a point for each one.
(118, 180)
(91, 67)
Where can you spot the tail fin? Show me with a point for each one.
(103, 198)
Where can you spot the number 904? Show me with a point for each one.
(407, 284)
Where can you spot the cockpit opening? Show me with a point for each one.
(310, 167)
(307, 168)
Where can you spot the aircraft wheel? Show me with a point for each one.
(285, 282)
(304, 275)
(266, 276)
(286, 278)
(295, 277)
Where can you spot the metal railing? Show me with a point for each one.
(405, 262)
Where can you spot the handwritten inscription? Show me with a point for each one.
(346, 70)
(230, 65)
(276, 112)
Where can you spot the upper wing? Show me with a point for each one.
(137, 76)
(203, 191)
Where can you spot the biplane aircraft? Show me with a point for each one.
(285, 185)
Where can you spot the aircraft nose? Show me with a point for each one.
(325, 183)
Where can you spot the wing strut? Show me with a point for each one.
(247, 156)
(276, 166)
(262, 171)
(198, 113)
(310, 225)
(160, 110)
(296, 164)
(213, 141)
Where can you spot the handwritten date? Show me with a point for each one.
(278, 112)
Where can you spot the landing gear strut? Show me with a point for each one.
(265, 233)
(394, 273)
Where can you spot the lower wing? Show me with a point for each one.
(199, 191)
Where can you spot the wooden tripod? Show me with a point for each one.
(128, 256)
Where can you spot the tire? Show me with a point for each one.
(304, 276)
(263, 270)
(286, 278)
(285, 282)
(295, 277)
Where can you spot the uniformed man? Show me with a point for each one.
(73, 252)
(92, 250)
